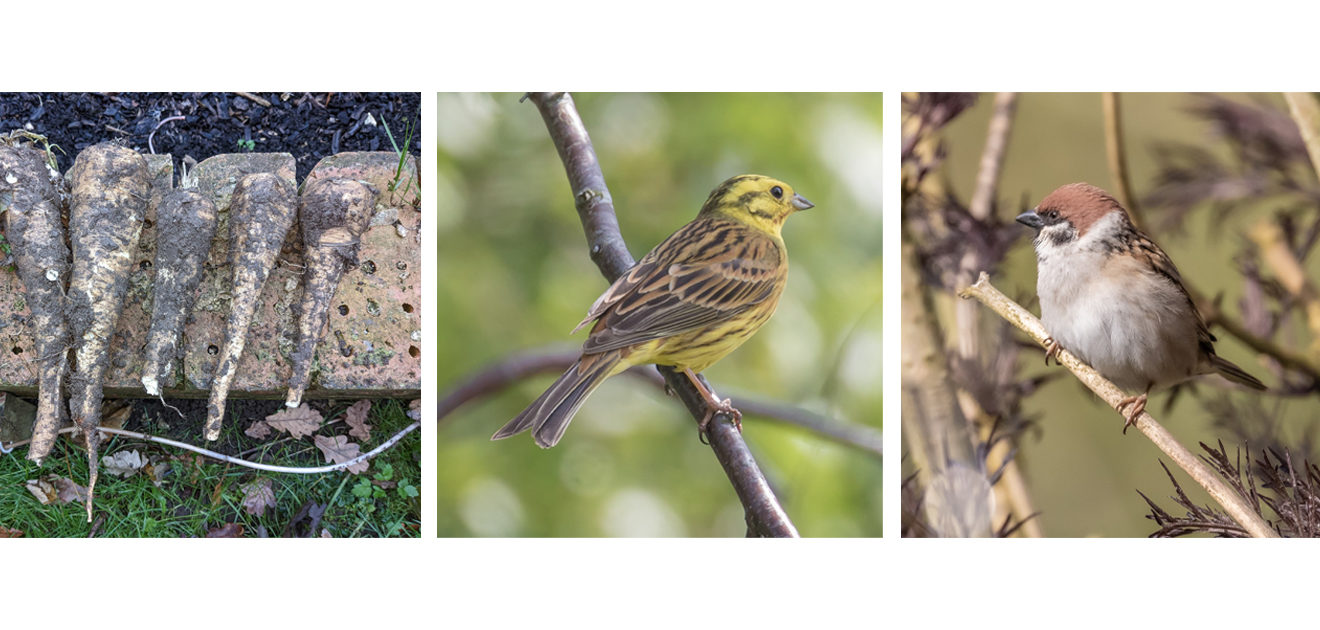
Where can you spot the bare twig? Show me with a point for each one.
(605, 242)
(254, 98)
(992, 158)
(1235, 505)
(247, 464)
(1118, 170)
(1306, 113)
(514, 368)
(1279, 257)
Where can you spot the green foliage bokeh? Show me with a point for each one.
(514, 276)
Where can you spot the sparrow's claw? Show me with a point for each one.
(1052, 349)
(1138, 404)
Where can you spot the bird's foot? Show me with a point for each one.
(714, 408)
(1052, 349)
(1138, 404)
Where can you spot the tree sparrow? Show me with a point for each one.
(1112, 297)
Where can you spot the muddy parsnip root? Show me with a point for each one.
(261, 212)
(334, 213)
(29, 196)
(185, 224)
(111, 189)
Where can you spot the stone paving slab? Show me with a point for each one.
(373, 344)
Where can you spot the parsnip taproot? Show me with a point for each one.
(29, 197)
(185, 224)
(111, 188)
(261, 212)
(334, 213)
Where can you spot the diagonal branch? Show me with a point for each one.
(595, 208)
(516, 367)
(1233, 503)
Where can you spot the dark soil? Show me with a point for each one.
(309, 126)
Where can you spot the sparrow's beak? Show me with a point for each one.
(801, 202)
(1031, 220)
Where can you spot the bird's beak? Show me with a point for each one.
(1031, 220)
(801, 202)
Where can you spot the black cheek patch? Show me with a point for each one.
(1059, 237)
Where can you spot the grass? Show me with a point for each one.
(199, 494)
(403, 155)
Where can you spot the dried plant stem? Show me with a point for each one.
(1235, 505)
(1012, 494)
(1305, 112)
(1118, 170)
(1279, 256)
(992, 158)
(1287, 357)
(247, 464)
(765, 516)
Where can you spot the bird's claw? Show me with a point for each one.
(722, 407)
(1138, 404)
(1052, 349)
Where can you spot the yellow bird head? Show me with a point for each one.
(759, 201)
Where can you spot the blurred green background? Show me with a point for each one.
(1083, 472)
(514, 276)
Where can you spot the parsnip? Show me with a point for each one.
(334, 213)
(185, 224)
(261, 212)
(111, 188)
(29, 197)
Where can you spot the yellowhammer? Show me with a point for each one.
(692, 300)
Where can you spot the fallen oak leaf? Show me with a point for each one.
(123, 464)
(356, 417)
(338, 449)
(259, 430)
(299, 422)
(54, 489)
(257, 496)
(228, 530)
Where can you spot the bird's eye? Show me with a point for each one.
(1053, 214)
(777, 192)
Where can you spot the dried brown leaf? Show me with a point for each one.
(259, 430)
(338, 449)
(56, 489)
(5, 532)
(123, 464)
(228, 530)
(300, 422)
(356, 417)
(257, 496)
(115, 419)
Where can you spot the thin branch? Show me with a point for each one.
(247, 464)
(992, 158)
(1306, 113)
(1278, 256)
(516, 367)
(610, 253)
(1118, 169)
(254, 98)
(1235, 505)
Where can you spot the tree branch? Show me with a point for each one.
(1118, 170)
(605, 242)
(516, 367)
(1235, 505)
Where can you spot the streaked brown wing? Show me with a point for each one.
(1163, 265)
(707, 272)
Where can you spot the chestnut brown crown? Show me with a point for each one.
(1080, 204)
